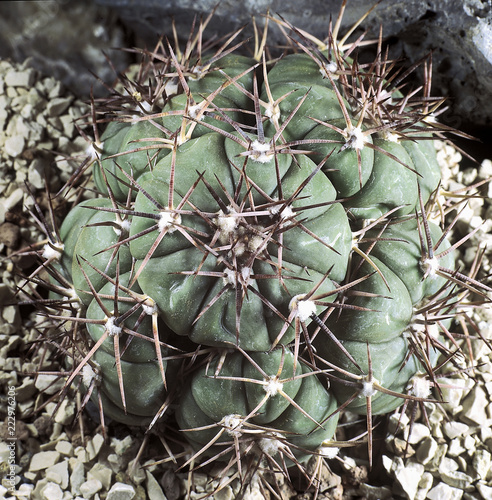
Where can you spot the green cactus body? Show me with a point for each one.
(144, 391)
(129, 148)
(222, 402)
(277, 216)
(183, 297)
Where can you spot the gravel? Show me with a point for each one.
(56, 458)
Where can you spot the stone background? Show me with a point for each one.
(68, 39)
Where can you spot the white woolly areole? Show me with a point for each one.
(368, 389)
(73, 298)
(124, 227)
(355, 138)
(194, 110)
(328, 69)
(149, 307)
(226, 223)
(286, 212)
(167, 220)
(271, 445)
(303, 309)
(328, 451)
(231, 276)
(391, 136)
(272, 386)
(232, 423)
(197, 73)
(53, 251)
(111, 328)
(94, 149)
(255, 242)
(272, 112)
(430, 266)
(260, 152)
(420, 387)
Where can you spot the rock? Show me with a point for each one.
(14, 145)
(101, 473)
(58, 474)
(43, 460)
(481, 463)
(455, 429)
(94, 446)
(90, 487)
(77, 477)
(474, 407)
(484, 490)
(418, 432)
(64, 448)
(49, 384)
(408, 476)
(444, 492)
(52, 491)
(154, 489)
(57, 106)
(457, 479)
(121, 491)
(426, 451)
(38, 169)
(23, 78)
(9, 235)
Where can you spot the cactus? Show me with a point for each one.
(264, 229)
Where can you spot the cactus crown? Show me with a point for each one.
(264, 230)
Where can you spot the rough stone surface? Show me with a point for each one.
(63, 39)
(121, 491)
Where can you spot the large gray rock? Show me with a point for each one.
(66, 40)
(459, 32)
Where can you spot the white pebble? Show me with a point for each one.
(409, 476)
(14, 145)
(20, 78)
(90, 488)
(444, 492)
(455, 429)
(52, 491)
(43, 460)
(121, 491)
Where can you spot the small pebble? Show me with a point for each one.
(64, 448)
(52, 491)
(455, 429)
(101, 473)
(90, 487)
(23, 78)
(77, 477)
(484, 490)
(474, 407)
(15, 145)
(408, 476)
(444, 492)
(121, 491)
(58, 106)
(427, 449)
(154, 490)
(43, 460)
(58, 474)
